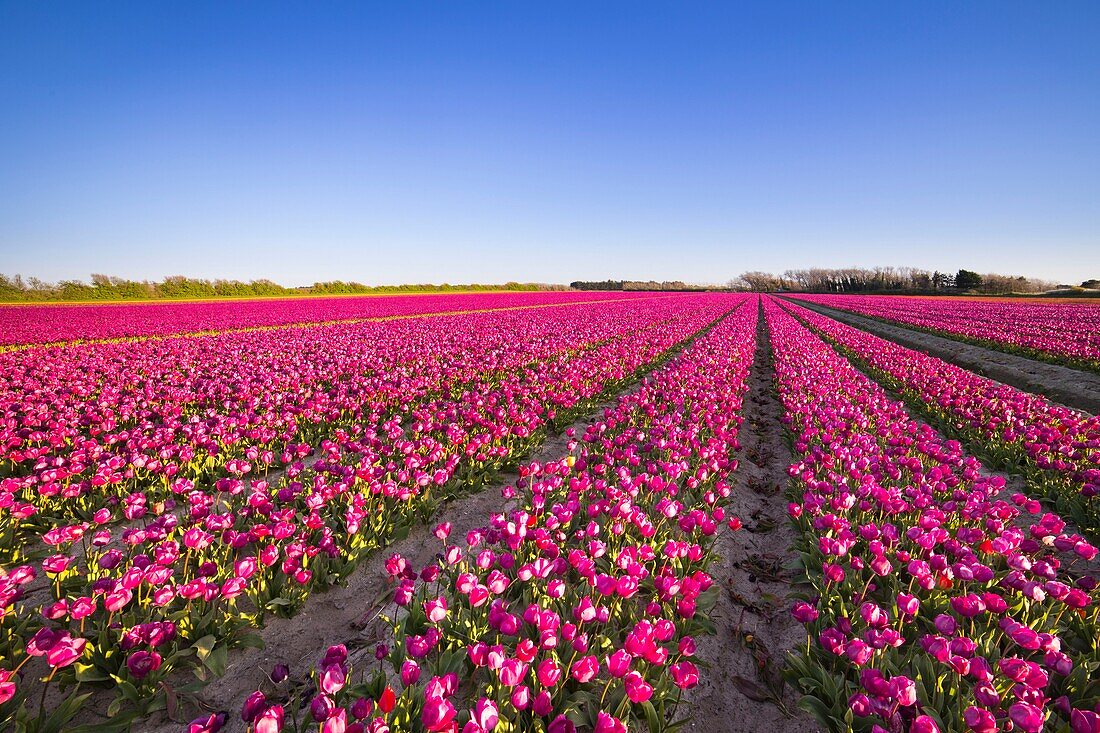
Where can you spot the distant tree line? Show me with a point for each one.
(16, 289)
(104, 288)
(596, 285)
(647, 285)
(888, 279)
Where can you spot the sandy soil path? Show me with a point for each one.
(743, 688)
(1071, 387)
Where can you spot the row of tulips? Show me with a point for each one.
(48, 324)
(1053, 331)
(1059, 448)
(181, 588)
(575, 608)
(937, 604)
(109, 427)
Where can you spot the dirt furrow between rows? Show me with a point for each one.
(743, 689)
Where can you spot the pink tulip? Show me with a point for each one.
(270, 720)
(141, 663)
(437, 713)
(512, 672)
(410, 672)
(521, 697)
(685, 675)
(485, 714)
(979, 720)
(804, 613)
(584, 669)
(1084, 721)
(606, 723)
(66, 651)
(548, 673)
(923, 724)
(333, 678)
(1026, 717)
(337, 722)
(637, 689)
(436, 610)
(253, 707)
(7, 686)
(210, 724)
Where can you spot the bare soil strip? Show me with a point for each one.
(1071, 387)
(743, 688)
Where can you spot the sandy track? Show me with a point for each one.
(740, 688)
(1071, 387)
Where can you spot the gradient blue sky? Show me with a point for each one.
(416, 142)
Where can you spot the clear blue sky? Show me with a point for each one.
(545, 141)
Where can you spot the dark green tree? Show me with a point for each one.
(967, 280)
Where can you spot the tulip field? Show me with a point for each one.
(938, 603)
(48, 324)
(177, 480)
(1060, 447)
(1062, 332)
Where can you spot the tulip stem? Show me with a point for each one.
(605, 689)
(1058, 618)
(45, 688)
